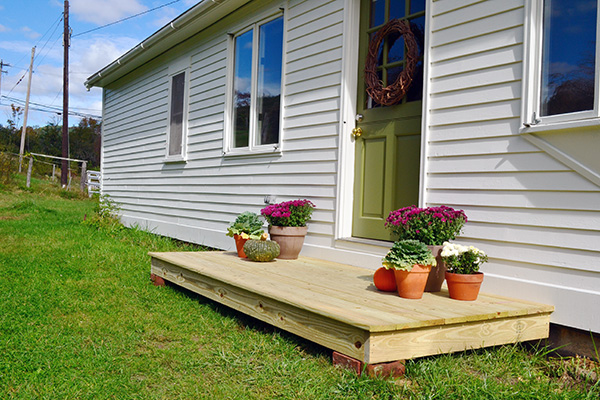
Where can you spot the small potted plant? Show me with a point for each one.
(432, 226)
(463, 276)
(287, 225)
(411, 261)
(247, 225)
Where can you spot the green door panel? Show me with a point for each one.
(374, 177)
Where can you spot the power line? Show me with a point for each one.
(53, 109)
(126, 18)
(55, 25)
(24, 56)
(51, 47)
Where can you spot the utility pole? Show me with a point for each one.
(24, 130)
(65, 127)
(2, 71)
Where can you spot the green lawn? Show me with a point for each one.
(79, 319)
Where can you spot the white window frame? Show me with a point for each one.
(531, 119)
(177, 67)
(228, 139)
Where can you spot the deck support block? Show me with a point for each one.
(157, 280)
(394, 369)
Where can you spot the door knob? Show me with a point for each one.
(357, 132)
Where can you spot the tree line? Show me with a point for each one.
(84, 139)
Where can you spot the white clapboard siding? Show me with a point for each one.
(552, 200)
(198, 198)
(478, 61)
(538, 181)
(537, 218)
(502, 91)
(484, 77)
(497, 145)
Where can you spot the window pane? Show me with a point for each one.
(241, 86)
(568, 56)
(269, 81)
(415, 91)
(176, 123)
(377, 13)
(417, 6)
(396, 47)
(397, 9)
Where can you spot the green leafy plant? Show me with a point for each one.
(248, 225)
(106, 215)
(406, 253)
(431, 225)
(288, 213)
(461, 259)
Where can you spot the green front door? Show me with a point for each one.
(388, 152)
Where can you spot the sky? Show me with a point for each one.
(28, 23)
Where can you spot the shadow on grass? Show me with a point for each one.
(246, 322)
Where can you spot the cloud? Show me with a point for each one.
(105, 11)
(18, 46)
(3, 28)
(87, 56)
(92, 54)
(168, 14)
(30, 33)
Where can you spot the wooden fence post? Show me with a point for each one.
(83, 176)
(29, 169)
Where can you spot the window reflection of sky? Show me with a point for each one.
(271, 48)
(256, 111)
(243, 61)
(568, 59)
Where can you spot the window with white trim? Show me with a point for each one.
(178, 104)
(561, 62)
(254, 104)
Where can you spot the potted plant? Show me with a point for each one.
(411, 261)
(432, 226)
(287, 225)
(463, 276)
(247, 225)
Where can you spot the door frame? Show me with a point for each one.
(348, 97)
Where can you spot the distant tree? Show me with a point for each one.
(85, 141)
(50, 139)
(10, 135)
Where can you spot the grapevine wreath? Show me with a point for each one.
(391, 94)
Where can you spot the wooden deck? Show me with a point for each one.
(338, 306)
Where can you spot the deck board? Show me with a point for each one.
(337, 305)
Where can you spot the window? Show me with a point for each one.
(176, 115)
(255, 81)
(561, 61)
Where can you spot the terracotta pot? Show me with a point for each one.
(464, 287)
(411, 284)
(437, 274)
(239, 245)
(290, 240)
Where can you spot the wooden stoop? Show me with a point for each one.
(337, 306)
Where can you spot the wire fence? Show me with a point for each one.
(10, 162)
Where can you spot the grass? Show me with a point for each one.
(79, 319)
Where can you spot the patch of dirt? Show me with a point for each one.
(574, 372)
(11, 218)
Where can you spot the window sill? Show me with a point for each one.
(561, 126)
(259, 152)
(174, 159)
